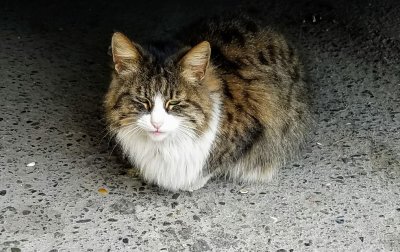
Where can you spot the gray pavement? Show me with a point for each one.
(343, 195)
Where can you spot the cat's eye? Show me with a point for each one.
(145, 102)
(171, 103)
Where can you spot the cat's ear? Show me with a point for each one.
(126, 55)
(195, 62)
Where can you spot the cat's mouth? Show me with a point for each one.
(157, 135)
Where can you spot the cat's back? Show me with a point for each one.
(265, 99)
(244, 51)
(260, 70)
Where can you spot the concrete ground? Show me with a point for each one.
(343, 195)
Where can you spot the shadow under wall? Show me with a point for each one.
(77, 35)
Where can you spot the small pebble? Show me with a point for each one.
(31, 164)
(243, 191)
(26, 212)
(103, 191)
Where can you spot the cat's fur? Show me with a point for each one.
(243, 109)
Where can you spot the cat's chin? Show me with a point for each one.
(157, 136)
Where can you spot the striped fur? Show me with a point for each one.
(234, 92)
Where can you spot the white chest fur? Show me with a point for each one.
(176, 163)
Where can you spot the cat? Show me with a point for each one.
(227, 98)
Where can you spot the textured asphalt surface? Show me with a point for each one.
(343, 195)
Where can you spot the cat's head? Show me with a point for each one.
(160, 99)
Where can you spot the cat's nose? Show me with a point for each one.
(156, 124)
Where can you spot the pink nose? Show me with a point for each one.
(156, 125)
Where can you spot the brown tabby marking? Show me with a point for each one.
(255, 72)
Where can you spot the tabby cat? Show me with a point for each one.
(228, 98)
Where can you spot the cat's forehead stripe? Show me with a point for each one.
(158, 84)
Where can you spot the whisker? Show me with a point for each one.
(195, 131)
(188, 132)
(134, 130)
(113, 132)
(115, 146)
